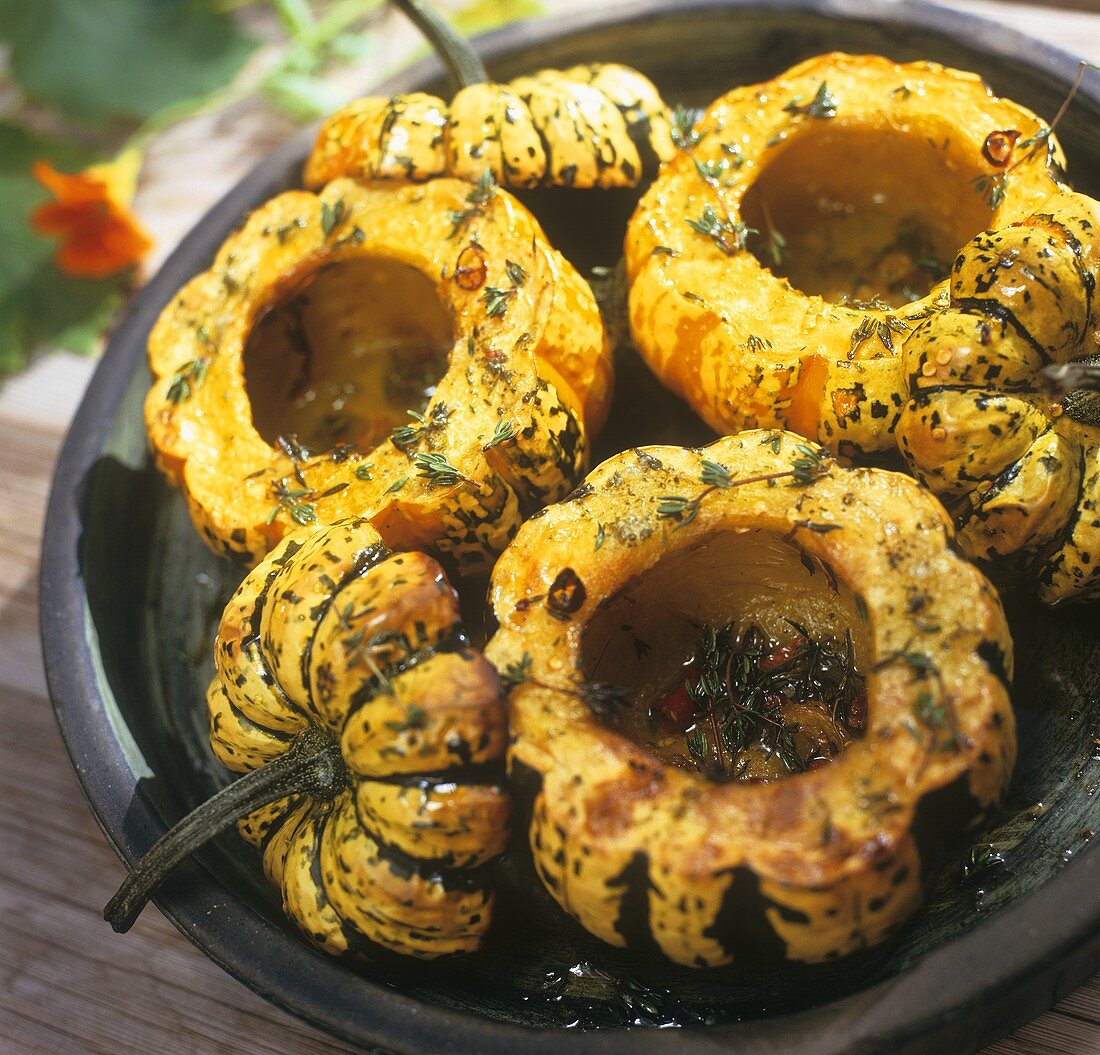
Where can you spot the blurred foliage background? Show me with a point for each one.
(89, 88)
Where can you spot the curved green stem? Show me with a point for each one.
(311, 765)
(463, 66)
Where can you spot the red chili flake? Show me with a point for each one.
(998, 146)
(470, 268)
(857, 713)
(677, 709)
(567, 593)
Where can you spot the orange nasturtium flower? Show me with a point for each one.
(91, 214)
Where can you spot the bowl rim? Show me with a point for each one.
(1003, 971)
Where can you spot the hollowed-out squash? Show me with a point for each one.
(778, 263)
(757, 528)
(328, 298)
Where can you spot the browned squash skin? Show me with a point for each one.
(597, 125)
(1020, 469)
(738, 340)
(812, 867)
(338, 632)
(534, 359)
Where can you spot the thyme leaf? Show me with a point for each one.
(516, 673)
(437, 470)
(186, 379)
(685, 130)
(291, 501)
(516, 274)
(728, 235)
(332, 216)
(506, 429)
(823, 105)
(496, 300)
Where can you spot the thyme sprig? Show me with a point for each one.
(506, 429)
(186, 379)
(438, 471)
(777, 244)
(742, 682)
(292, 500)
(822, 106)
(477, 201)
(366, 649)
(729, 235)
(994, 186)
(884, 329)
(605, 701)
(405, 437)
(808, 465)
(685, 127)
(332, 216)
(496, 300)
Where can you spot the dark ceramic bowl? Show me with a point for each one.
(130, 598)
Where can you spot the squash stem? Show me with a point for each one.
(311, 765)
(463, 66)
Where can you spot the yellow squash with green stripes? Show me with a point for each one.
(779, 262)
(338, 637)
(418, 354)
(599, 125)
(1019, 468)
(761, 528)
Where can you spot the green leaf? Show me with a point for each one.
(39, 305)
(120, 58)
(301, 96)
(483, 15)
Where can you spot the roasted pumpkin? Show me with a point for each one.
(595, 125)
(778, 262)
(374, 736)
(327, 320)
(1019, 468)
(600, 601)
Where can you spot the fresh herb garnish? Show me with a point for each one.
(332, 216)
(437, 470)
(728, 235)
(506, 429)
(476, 200)
(823, 105)
(808, 465)
(496, 300)
(738, 691)
(186, 379)
(685, 130)
(292, 501)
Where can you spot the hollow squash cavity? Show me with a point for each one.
(741, 657)
(864, 216)
(343, 354)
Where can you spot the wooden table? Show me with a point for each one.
(68, 985)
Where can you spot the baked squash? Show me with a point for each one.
(594, 125)
(374, 739)
(1019, 468)
(420, 353)
(778, 263)
(601, 600)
